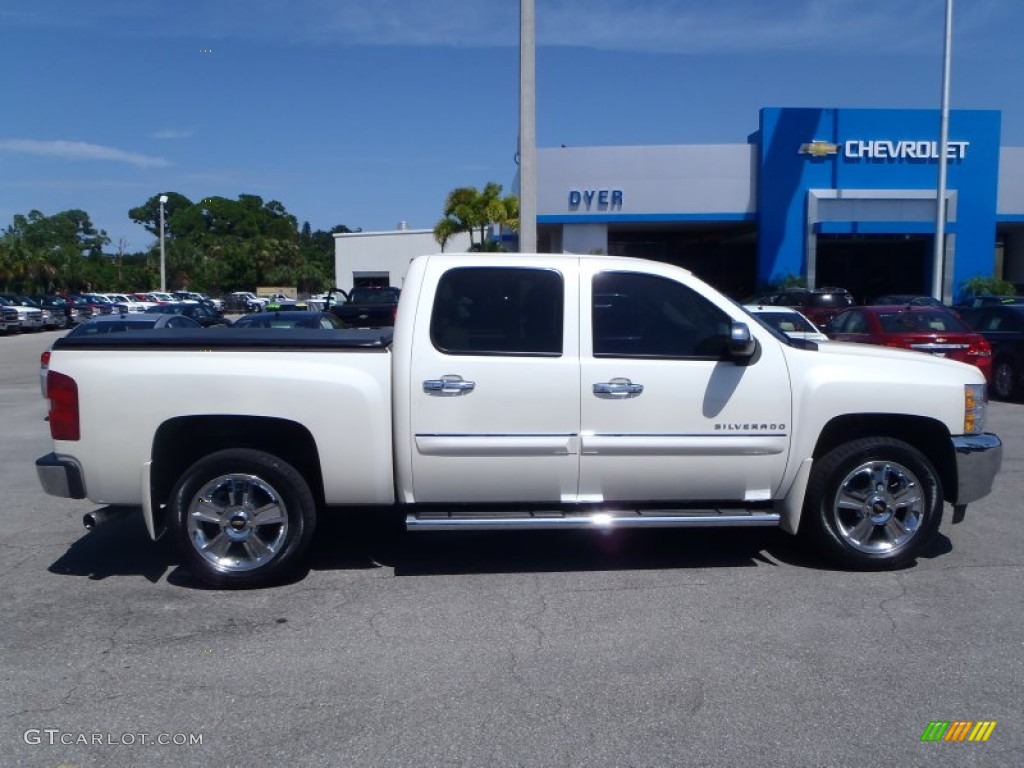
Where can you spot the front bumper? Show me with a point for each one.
(978, 460)
(60, 476)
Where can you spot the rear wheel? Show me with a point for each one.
(242, 518)
(872, 503)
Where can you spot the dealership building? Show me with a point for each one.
(836, 197)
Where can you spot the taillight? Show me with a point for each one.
(63, 393)
(44, 363)
(980, 348)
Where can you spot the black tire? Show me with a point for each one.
(1005, 379)
(242, 518)
(872, 503)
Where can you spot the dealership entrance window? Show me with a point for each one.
(869, 266)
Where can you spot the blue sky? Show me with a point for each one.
(368, 112)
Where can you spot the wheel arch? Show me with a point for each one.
(929, 436)
(180, 442)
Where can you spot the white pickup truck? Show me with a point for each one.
(518, 392)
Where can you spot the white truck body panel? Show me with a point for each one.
(332, 394)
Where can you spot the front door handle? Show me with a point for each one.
(618, 388)
(449, 384)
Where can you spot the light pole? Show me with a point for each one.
(527, 128)
(939, 258)
(163, 262)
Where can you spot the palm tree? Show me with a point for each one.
(468, 209)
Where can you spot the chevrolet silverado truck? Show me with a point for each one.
(518, 391)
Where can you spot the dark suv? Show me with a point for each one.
(819, 305)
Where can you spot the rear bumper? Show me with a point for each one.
(978, 460)
(60, 476)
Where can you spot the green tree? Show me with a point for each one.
(474, 211)
(988, 284)
(148, 214)
(40, 253)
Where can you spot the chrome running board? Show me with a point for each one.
(540, 520)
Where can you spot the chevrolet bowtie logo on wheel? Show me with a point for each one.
(819, 148)
(958, 730)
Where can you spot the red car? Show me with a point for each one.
(935, 330)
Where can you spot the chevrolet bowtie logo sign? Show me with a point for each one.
(819, 148)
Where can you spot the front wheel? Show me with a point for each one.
(872, 503)
(1004, 379)
(242, 518)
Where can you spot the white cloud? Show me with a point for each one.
(79, 150)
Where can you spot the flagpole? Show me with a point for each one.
(939, 261)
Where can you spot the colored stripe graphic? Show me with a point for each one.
(959, 730)
(982, 730)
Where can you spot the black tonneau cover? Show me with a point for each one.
(288, 339)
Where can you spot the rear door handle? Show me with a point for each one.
(618, 387)
(449, 384)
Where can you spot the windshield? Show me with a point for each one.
(373, 296)
(922, 322)
(787, 322)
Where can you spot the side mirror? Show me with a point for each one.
(742, 345)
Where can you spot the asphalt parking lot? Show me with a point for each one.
(677, 648)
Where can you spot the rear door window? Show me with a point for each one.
(498, 311)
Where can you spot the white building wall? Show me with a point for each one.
(693, 179)
(386, 253)
(1011, 181)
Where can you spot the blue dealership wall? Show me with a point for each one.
(802, 151)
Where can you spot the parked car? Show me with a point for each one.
(368, 308)
(1003, 326)
(934, 330)
(299, 318)
(49, 320)
(119, 323)
(246, 301)
(81, 310)
(96, 306)
(788, 321)
(65, 314)
(132, 321)
(30, 317)
(9, 322)
(159, 297)
(988, 300)
(201, 313)
(128, 303)
(819, 305)
(201, 298)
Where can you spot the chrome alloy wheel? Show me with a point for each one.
(237, 522)
(879, 507)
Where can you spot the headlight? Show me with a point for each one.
(975, 403)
